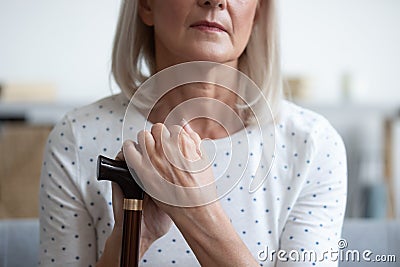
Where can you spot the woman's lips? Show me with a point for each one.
(208, 26)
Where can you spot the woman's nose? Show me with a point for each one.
(213, 3)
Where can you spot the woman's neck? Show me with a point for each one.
(210, 109)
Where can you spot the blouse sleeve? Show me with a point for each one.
(67, 234)
(313, 228)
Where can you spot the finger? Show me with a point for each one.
(132, 156)
(139, 162)
(117, 200)
(195, 137)
(160, 134)
(181, 139)
(191, 133)
(146, 143)
(177, 132)
(120, 155)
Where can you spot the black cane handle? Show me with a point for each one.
(118, 172)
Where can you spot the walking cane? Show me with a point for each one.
(118, 172)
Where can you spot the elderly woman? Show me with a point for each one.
(299, 207)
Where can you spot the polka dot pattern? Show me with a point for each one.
(299, 206)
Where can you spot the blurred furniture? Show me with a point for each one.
(21, 147)
(24, 127)
(396, 164)
(297, 87)
(19, 243)
(382, 237)
(392, 164)
(34, 113)
(28, 92)
(21, 237)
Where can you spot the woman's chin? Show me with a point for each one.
(211, 56)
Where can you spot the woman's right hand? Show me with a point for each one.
(155, 224)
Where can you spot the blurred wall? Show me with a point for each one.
(64, 42)
(328, 39)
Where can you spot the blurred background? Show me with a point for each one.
(340, 58)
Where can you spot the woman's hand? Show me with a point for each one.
(172, 168)
(175, 173)
(155, 223)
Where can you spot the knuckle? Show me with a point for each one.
(140, 135)
(159, 131)
(157, 128)
(175, 129)
(140, 132)
(158, 125)
(147, 134)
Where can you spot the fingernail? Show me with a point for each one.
(127, 143)
(183, 122)
(186, 125)
(137, 147)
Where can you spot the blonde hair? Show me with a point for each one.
(134, 46)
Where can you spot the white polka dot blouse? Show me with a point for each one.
(299, 206)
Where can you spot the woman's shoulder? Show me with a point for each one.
(107, 106)
(85, 132)
(104, 115)
(296, 120)
(107, 109)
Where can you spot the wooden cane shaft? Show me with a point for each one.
(131, 237)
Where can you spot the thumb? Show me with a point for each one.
(117, 201)
(131, 154)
